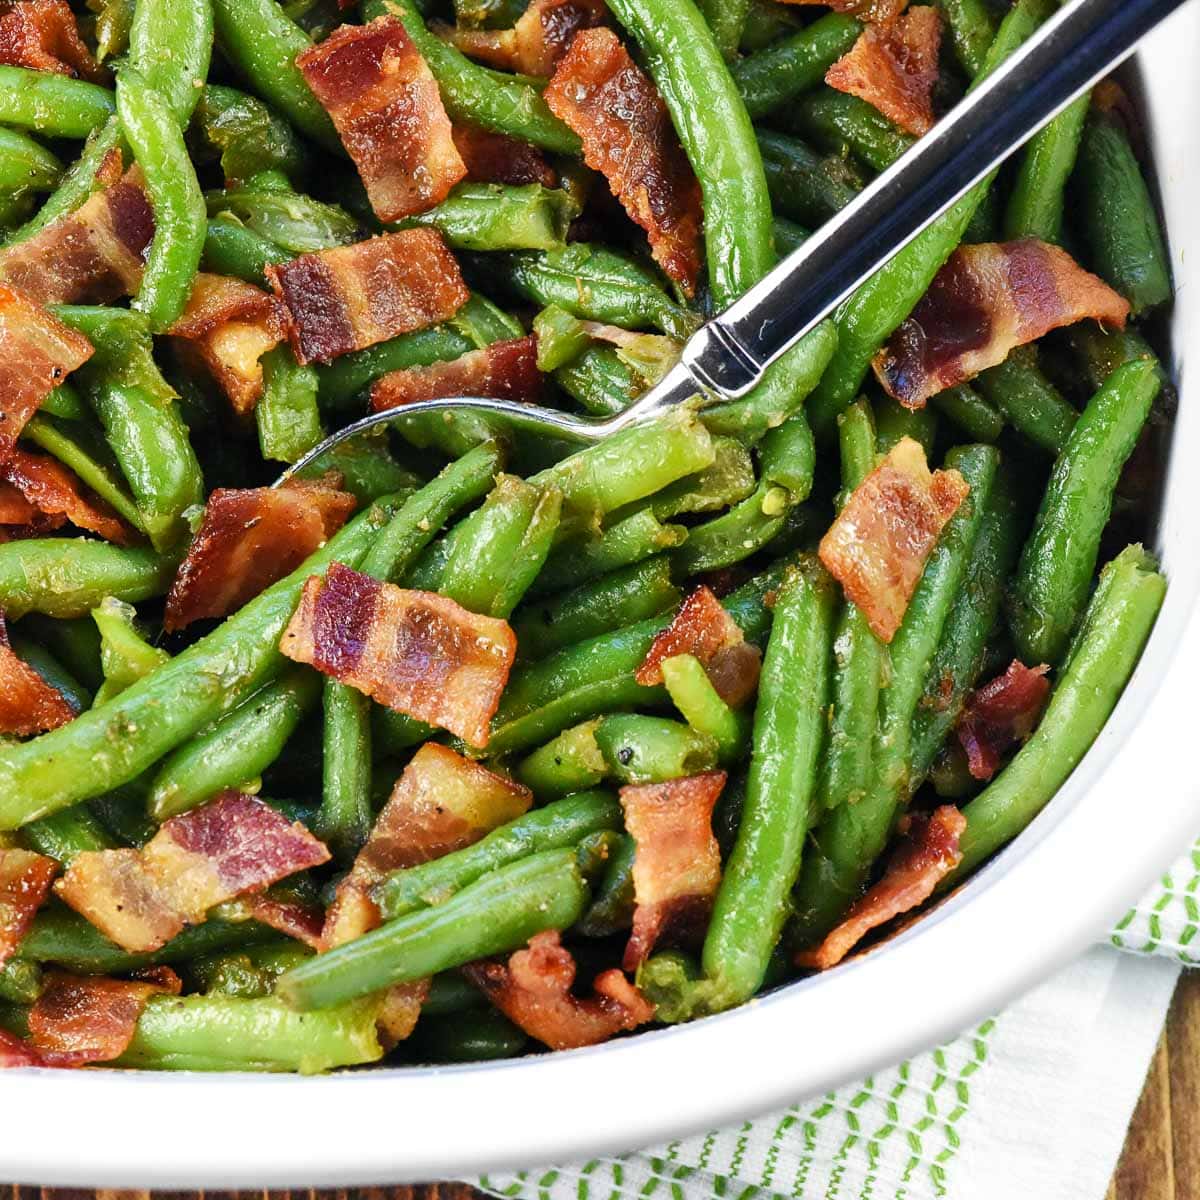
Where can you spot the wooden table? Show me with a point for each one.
(1160, 1161)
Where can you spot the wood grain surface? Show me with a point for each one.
(1160, 1161)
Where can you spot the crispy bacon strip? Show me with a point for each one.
(533, 990)
(81, 1019)
(42, 35)
(37, 352)
(249, 538)
(504, 370)
(25, 880)
(388, 111)
(56, 491)
(606, 98)
(234, 844)
(877, 546)
(417, 652)
(495, 158)
(539, 40)
(677, 862)
(300, 921)
(987, 300)
(28, 704)
(879, 12)
(351, 297)
(17, 1053)
(926, 854)
(894, 67)
(441, 802)
(705, 630)
(94, 255)
(999, 714)
(232, 324)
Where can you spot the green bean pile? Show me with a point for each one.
(586, 557)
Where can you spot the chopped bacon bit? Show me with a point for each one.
(388, 111)
(300, 921)
(1001, 713)
(705, 630)
(233, 324)
(894, 67)
(417, 652)
(351, 297)
(877, 546)
(93, 255)
(537, 43)
(249, 539)
(232, 845)
(606, 98)
(533, 990)
(46, 483)
(987, 300)
(441, 803)
(42, 35)
(15, 509)
(37, 352)
(16, 1053)
(504, 370)
(399, 1011)
(28, 704)
(80, 1019)
(25, 880)
(496, 158)
(927, 853)
(878, 12)
(677, 862)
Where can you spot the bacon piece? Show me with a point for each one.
(42, 35)
(705, 630)
(388, 111)
(300, 921)
(16, 1053)
(232, 845)
(928, 851)
(537, 43)
(417, 652)
(351, 297)
(504, 370)
(25, 880)
(878, 12)
(37, 352)
(496, 158)
(1001, 713)
(28, 704)
(606, 98)
(987, 300)
(877, 546)
(81, 1019)
(533, 990)
(249, 539)
(93, 255)
(232, 325)
(677, 862)
(441, 802)
(20, 519)
(894, 67)
(54, 490)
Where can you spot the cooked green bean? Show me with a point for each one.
(692, 692)
(641, 749)
(52, 104)
(248, 135)
(464, 1037)
(487, 216)
(125, 655)
(1035, 204)
(170, 46)
(966, 408)
(290, 220)
(1030, 403)
(288, 420)
(839, 123)
(803, 185)
(571, 762)
(972, 30)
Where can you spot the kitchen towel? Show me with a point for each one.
(1033, 1102)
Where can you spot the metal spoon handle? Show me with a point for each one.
(1074, 49)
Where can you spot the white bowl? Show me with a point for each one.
(1127, 810)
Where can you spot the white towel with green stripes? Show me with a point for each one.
(1032, 1103)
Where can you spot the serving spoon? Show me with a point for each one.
(726, 357)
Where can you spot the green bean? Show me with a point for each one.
(972, 31)
(262, 43)
(20, 982)
(692, 692)
(803, 185)
(621, 597)
(52, 104)
(767, 22)
(496, 914)
(1028, 400)
(170, 46)
(611, 909)
(114, 18)
(125, 655)
(571, 762)
(52, 671)
(464, 1038)
(68, 577)
(450, 993)
(66, 835)
(75, 643)
(726, 19)
(248, 135)
(113, 744)
(894, 421)
(735, 535)
(1058, 561)
(1101, 351)
(561, 338)
(1035, 204)
(65, 402)
(788, 235)
(641, 749)
(967, 409)
(600, 382)
(504, 104)
(124, 348)
(287, 417)
(731, 476)
(249, 971)
(294, 222)
(839, 123)
(783, 70)
(488, 216)
(367, 468)
(174, 192)
(1114, 630)
(1118, 216)
(847, 841)
(232, 249)
(26, 165)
